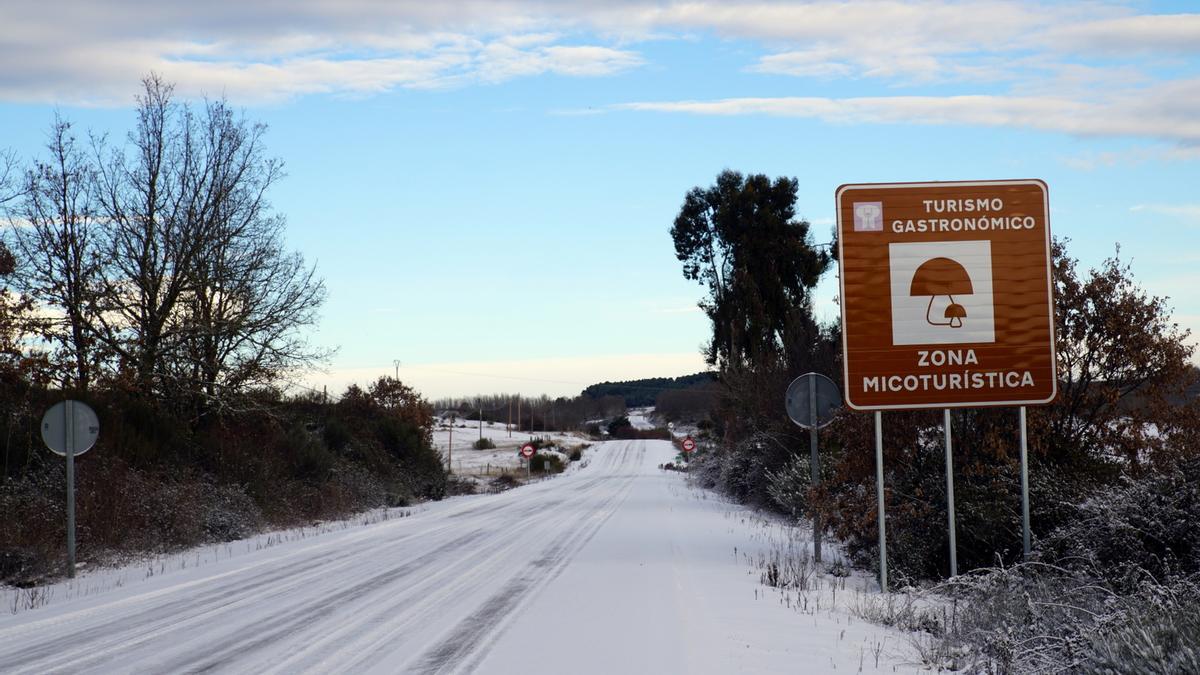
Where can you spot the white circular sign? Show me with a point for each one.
(82, 422)
(798, 400)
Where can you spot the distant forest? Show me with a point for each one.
(640, 393)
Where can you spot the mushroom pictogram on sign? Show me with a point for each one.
(942, 276)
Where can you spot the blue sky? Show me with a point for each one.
(487, 187)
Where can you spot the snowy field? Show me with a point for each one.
(640, 418)
(457, 443)
(618, 567)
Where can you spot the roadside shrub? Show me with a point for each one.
(349, 488)
(1156, 631)
(619, 425)
(32, 515)
(460, 486)
(484, 444)
(1038, 618)
(21, 566)
(230, 514)
(336, 436)
(705, 471)
(545, 463)
(503, 482)
(1148, 525)
(788, 487)
(310, 459)
(420, 464)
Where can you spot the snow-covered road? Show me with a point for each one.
(614, 568)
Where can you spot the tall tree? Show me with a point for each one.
(740, 238)
(148, 196)
(1125, 369)
(249, 298)
(56, 240)
(200, 298)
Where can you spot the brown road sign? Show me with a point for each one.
(946, 294)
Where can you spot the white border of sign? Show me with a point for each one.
(1049, 287)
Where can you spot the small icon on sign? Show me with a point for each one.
(942, 292)
(868, 216)
(942, 276)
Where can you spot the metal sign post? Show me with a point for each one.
(814, 463)
(70, 428)
(883, 581)
(69, 448)
(811, 401)
(1024, 486)
(950, 496)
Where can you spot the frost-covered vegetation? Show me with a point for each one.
(156, 483)
(1115, 590)
(1113, 460)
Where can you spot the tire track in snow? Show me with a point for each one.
(295, 612)
(474, 635)
(366, 643)
(104, 639)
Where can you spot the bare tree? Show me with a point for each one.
(9, 170)
(55, 240)
(250, 297)
(152, 236)
(200, 297)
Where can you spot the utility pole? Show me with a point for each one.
(508, 427)
(450, 448)
(479, 402)
(518, 410)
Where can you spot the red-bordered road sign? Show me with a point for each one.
(688, 444)
(527, 450)
(947, 299)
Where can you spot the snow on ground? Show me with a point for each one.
(616, 568)
(640, 418)
(457, 443)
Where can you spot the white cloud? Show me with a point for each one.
(906, 41)
(1149, 33)
(82, 52)
(502, 61)
(1186, 212)
(823, 63)
(1139, 155)
(1168, 111)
